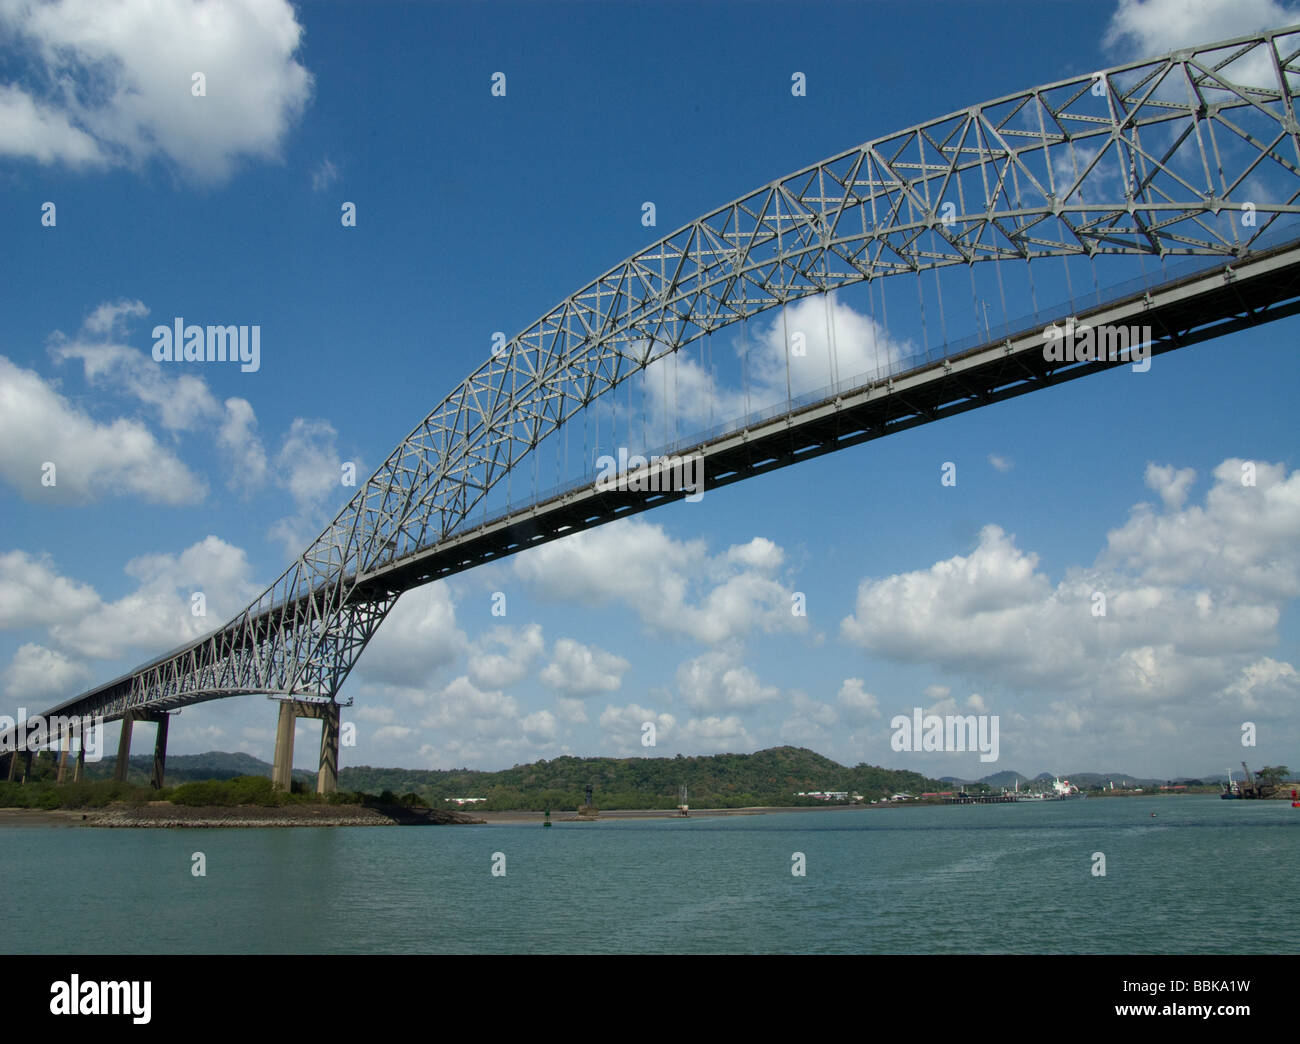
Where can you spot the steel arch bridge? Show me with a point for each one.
(1152, 158)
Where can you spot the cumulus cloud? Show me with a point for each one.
(1193, 596)
(108, 319)
(311, 466)
(418, 639)
(715, 735)
(816, 341)
(624, 727)
(182, 400)
(716, 680)
(578, 669)
(760, 553)
(810, 722)
(675, 586)
(1171, 483)
(32, 593)
(482, 726)
(40, 673)
(39, 427)
(856, 701)
(504, 656)
(239, 441)
(159, 614)
(1143, 28)
(109, 82)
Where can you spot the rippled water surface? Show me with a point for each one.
(1202, 876)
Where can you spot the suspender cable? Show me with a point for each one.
(744, 363)
(875, 341)
(938, 292)
(785, 339)
(920, 297)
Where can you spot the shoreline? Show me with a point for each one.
(164, 815)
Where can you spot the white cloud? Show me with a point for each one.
(38, 673)
(540, 726)
(325, 176)
(715, 735)
(520, 650)
(245, 454)
(479, 726)
(107, 319)
(570, 710)
(857, 702)
(1264, 685)
(1146, 28)
(1193, 597)
(810, 723)
(183, 401)
(624, 727)
(158, 614)
(390, 734)
(310, 460)
(311, 465)
(716, 681)
(839, 343)
(418, 638)
(1172, 484)
(579, 669)
(760, 553)
(675, 587)
(39, 426)
(42, 133)
(32, 593)
(111, 82)
(1002, 464)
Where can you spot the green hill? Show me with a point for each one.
(189, 768)
(767, 777)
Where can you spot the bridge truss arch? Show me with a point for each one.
(1153, 158)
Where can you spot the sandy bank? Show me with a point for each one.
(164, 814)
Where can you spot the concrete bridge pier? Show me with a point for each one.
(123, 749)
(11, 769)
(27, 765)
(327, 778)
(159, 746)
(79, 770)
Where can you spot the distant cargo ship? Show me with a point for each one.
(1062, 790)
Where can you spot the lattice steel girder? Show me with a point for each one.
(1137, 159)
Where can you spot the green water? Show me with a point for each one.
(1203, 876)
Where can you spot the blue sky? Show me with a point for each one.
(477, 214)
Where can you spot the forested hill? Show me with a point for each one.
(767, 777)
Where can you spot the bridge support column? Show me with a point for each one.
(27, 765)
(12, 769)
(327, 778)
(282, 771)
(160, 751)
(64, 747)
(123, 749)
(79, 767)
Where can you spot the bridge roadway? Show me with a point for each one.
(1258, 288)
